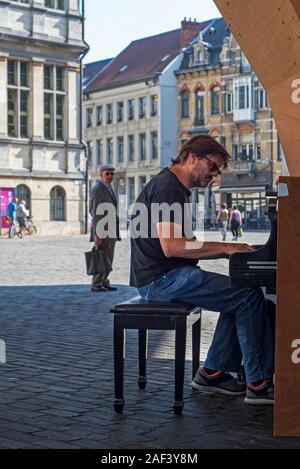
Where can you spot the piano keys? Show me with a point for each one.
(258, 268)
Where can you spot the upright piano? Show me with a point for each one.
(258, 268)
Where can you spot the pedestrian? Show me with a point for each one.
(164, 268)
(222, 220)
(103, 193)
(235, 222)
(11, 213)
(22, 214)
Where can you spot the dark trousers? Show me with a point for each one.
(235, 225)
(108, 246)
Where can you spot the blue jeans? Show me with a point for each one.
(245, 329)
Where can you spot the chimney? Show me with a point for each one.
(189, 30)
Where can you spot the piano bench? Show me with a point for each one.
(141, 315)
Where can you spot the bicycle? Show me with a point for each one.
(32, 229)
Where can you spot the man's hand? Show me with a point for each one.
(98, 242)
(232, 248)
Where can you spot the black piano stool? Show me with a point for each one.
(139, 314)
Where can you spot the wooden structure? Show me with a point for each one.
(269, 35)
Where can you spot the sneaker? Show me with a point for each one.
(221, 382)
(260, 395)
(98, 289)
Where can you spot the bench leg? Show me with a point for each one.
(119, 356)
(196, 342)
(143, 338)
(180, 345)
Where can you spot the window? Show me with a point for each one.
(55, 4)
(232, 57)
(130, 148)
(185, 105)
(109, 113)
(142, 182)
(154, 149)
(57, 204)
(131, 191)
(215, 100)
(17, 99)
(154, 105)
(120, 111)
(243, 94)
(199, 111)
(142, 107)
(120, 149)
(54, 103)
(229, 103)
(99, 115)
(89, 117)
(22, 192)
(262, 99)
(99, 152)
(131, 109)
(258, 151)
(109, 150)
(142, 141)
(90, 153)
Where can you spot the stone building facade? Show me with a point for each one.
(219, 94)
(41, 154)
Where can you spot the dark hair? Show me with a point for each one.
(234, 207)
(201, 146)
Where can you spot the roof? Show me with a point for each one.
(146, 57)
(214, 37)
(92, 70)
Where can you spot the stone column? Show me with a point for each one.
(37, 110)
(3, 95)
(73, 103)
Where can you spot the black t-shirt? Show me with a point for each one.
(148, 261)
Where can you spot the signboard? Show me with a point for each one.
(6, 196)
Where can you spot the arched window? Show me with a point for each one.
(22, 192)
(57, 204)
(185, 105)
(215, 100)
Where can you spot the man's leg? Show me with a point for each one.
(242, 307)
(109, 249)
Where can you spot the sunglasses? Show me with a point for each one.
(109, 174)
(213, 167)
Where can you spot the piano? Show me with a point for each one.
(258, 268)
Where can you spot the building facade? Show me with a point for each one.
(219, 94)
(130, 110)
(41, 154)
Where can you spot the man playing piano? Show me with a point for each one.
(164, 269)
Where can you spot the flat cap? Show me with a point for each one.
(106, 167)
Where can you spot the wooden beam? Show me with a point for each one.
(269, 35)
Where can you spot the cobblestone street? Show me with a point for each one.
(57, 383)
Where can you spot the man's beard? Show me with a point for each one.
(203, 181)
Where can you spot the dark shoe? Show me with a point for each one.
(98, 289)
(110, 288)
(222, 383)
(260, 395)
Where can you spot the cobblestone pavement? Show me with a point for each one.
(57, 384)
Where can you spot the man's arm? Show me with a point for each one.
(174, 245)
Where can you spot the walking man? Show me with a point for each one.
(103, 193)
(11, 213)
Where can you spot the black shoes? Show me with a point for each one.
(98, 289)
(110, 288)
(103, 288)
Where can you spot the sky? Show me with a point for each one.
(112, 24)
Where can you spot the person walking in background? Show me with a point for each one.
(22, 215)
(235, 222)
(103, 193)
(222, 219)
(11, 213)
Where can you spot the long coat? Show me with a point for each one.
(101, 194)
